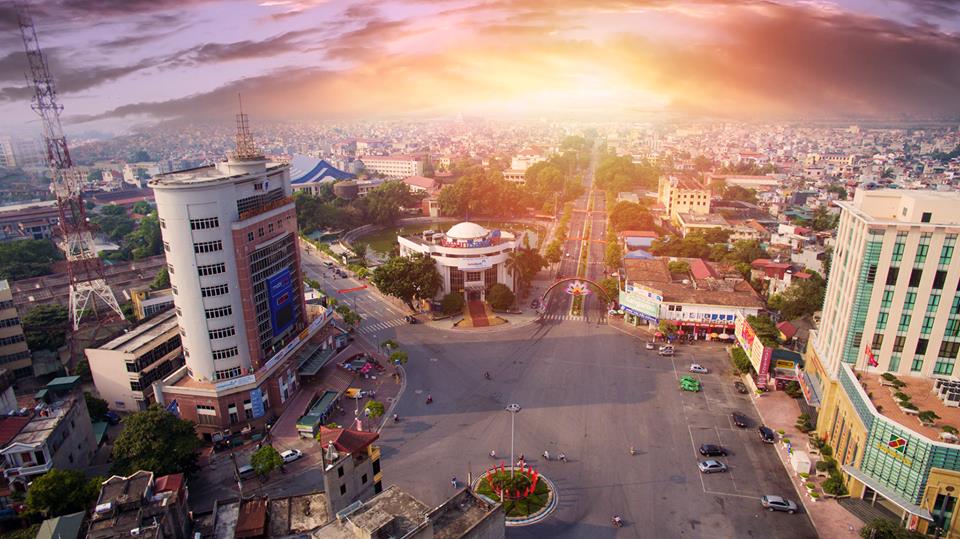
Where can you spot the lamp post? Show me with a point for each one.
(513, 409)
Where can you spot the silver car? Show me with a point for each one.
(698, 368)
(776, 503)
(711, 466)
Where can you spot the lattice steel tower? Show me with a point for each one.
(84, 267)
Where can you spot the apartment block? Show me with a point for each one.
(14, 354)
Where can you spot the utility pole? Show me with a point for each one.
(514, 409)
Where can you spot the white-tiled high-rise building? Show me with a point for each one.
(892, 296)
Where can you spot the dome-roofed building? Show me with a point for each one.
(469, 257)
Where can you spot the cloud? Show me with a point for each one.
(209, 53)
(67, 80)
(757, 60)
(935, 8)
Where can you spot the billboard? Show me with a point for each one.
(280, 294)
(474, 264)
(256, 402)
(641, 301)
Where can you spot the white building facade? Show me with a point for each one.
(469, 258)
(396, 167)
(892, 302)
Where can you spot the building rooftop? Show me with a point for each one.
(346, 440)
(306, 169)
(713, 289)
(467, 231)
(459, 514)
(393, 513)
(65, 527)
(901, 206)
(4, 285)
(144, 333)
(43, 423)
(703, 219)
(133, 505)
(922, 396)
(213, 174)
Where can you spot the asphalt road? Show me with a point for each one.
(590, 392)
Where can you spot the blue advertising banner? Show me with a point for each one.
(280, 295)
(174, 408)
(256, 401)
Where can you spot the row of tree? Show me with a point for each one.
(382, 206)
(619, 173)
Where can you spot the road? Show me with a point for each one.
(590, 392)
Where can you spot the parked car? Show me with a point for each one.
(741, 387)
(698, 368)
(650, 345)
(711, 466)
(246, 472)
(739, 420)
(291, 455)
(766, 434)
(776, 503)
(328, 264)
(112, 417)
(666, 350)
(712, 450)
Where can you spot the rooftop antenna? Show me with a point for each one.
(246, 147)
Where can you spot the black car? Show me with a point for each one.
(766, 434)
(741, 387)
(712, 450)
(739, 420)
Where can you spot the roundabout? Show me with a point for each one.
(527, 496)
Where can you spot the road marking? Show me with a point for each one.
(705, 491)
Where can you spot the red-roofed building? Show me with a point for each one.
(421, 184)
(10, 426)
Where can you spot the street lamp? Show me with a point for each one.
(514, 409)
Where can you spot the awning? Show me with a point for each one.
(99, 431)
(887, 493)
(811, 393)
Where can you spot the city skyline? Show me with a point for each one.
(119, 64)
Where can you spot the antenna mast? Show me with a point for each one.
(84, 267)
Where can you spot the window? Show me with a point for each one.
(211, 269)
(953, 328)
(921, 253)
(10, 322)
(909, 299)
(376, 467)
(203, 224)
(166, 246)
(225, 353)
(343, 489)
(249, 236)
(938, 279)
(270, 227)
(927, 326)
(170, 269)
(174, 288)
(948, 349)
(898, 344)
(11, 339)
(922, 346)
(232, 411)
(915, 277)
(898, 249)
(206, 415)
(892, 275)
(221, 289)
(882, 320)
(925, 217)
(218, 312)
(917, 365)
(872, 273)
(221, 333)
(933, 303)
(340, 471)
(877, 342)
(473, 276)
(904, 323)
(886, 300)
(226, 374)
(163, 223)
(207, 246)
(946, 254)
(248, 409)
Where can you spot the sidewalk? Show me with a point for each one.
(779, 412)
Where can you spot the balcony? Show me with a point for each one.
(12, 473)
(264, 208)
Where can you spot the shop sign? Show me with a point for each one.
(641, 301)
(236, 382)
(763, 373)
(479, 263)
(256, 402)
(785, 364)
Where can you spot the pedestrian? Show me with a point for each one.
(563, 458)
(454, 482)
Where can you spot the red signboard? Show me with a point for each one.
(348, 290)
(764, 373)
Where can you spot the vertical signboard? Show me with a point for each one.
(280, 294)
(256, 402)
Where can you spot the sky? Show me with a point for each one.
(124, 63)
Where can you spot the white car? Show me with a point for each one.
(711, 466)
(650, 345)
(291, 455)
(698, 368)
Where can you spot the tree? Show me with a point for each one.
(611, 287)
(452, 303)
(162, 280)
(399, 357)
(881, 528)
(803, 297)
(408, 277)
(374, 409)
(667, 328)
(679, 266)
(735, 192)
(156, 440)
(629, 216)
(265, 460)
(142, 207)
(139, 156)
(60, 492)
(114, 222)
(824, 220)
(27, 258)
(146, 240)
(96, 406)
(553, 253)
(745, 251)
(44, 327)
(612, 253)
(500, 297)
(383, 204)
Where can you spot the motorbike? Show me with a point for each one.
(429, 399)
(617, 522)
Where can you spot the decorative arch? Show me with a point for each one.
(582, 279)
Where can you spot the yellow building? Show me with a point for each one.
(683, 196)
(906, 470)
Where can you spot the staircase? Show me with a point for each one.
(866, 512)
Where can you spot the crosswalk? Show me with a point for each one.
(568, 317)
(381, 325)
